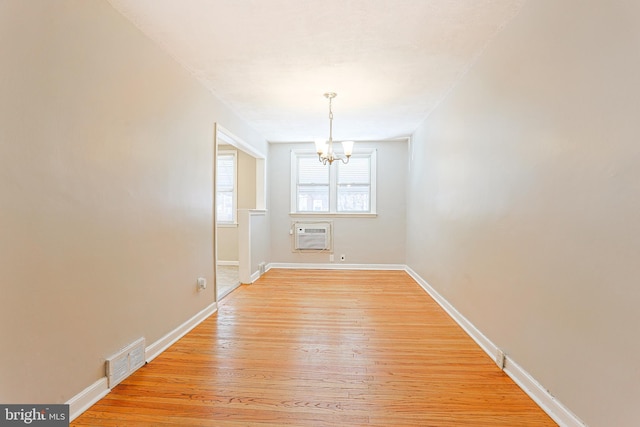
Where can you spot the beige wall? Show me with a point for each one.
(246, 181)
(106, 187)
(227, 243)
(522, 198)
(379, 240)
(524, 201)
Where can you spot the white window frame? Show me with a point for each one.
(234, 220)
(370, 153)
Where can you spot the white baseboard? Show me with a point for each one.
(334, 266)
(96, 391)
(255, 276)
(87, 397)
(236, 263)
(485, 343)
(553, 407)
(252, 278)
(154, 350)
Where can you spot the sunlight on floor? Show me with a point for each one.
(227, 280)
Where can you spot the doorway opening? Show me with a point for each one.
(238, 185)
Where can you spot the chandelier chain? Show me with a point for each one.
(330, 122)
(325, 148)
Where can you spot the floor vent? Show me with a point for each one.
(125, 362)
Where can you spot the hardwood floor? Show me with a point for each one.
(321, 348)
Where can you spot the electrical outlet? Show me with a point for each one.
(342, 257)
(202, 283)
(331, 258)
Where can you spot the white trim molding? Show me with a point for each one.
(332, 185)
(340, 266)
(485, 343)
(232, 263)
(553, 407)
(255, 276)
(96, 391)
(331, 215)
(155, 349)
(87, 397)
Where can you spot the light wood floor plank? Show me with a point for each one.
(321, 348)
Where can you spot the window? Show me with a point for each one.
(335, 189)
(312, 189)
(226, 188)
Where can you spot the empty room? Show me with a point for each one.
(314, 213)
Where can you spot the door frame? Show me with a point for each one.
(224, 136)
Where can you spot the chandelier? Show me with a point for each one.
(325, 148)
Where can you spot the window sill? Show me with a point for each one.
(331, 215)
(227, 225)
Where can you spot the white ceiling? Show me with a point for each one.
(271, 61)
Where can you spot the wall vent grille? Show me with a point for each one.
(125, 362)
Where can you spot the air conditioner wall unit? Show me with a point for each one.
(312, 236)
